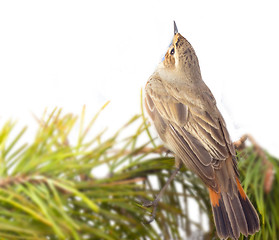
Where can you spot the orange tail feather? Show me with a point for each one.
(233, 214)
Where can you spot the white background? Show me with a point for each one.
(71, 53)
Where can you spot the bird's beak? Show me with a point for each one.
(175, 28)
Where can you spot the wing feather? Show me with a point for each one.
(196, 136)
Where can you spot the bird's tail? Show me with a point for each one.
(233, 214)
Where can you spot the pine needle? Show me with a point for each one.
(48, 191)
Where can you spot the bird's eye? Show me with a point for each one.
(172, 51)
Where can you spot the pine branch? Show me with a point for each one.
(48, 189)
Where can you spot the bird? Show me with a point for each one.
(185, 115)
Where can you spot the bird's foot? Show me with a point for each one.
(154, 204)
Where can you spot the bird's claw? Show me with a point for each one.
(153, 204)
(147, 203)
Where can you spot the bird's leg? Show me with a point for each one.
(158, 197)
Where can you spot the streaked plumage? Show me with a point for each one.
(188, 121)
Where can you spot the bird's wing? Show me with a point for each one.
(204, 119)
(170, 117)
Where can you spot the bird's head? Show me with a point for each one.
(181, 56)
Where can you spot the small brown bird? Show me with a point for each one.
(189, 123)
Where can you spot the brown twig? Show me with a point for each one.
(269, 173)
(22, 179)
(159, 150)
(8, 181)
